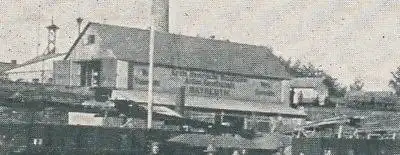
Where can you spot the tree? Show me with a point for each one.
(310, 70)
(395, 82)
(357, 85)
(296, 69)
(334, 88)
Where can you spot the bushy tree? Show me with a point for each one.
(297, 69)
(357, 85)
(334, 87)
(395, 81)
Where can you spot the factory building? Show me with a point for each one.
(232, 83)
(221, 78)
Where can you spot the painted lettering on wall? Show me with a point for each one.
(208, 84)
(212, 84)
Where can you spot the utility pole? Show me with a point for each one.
(150, 89)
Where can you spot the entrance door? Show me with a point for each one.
(90, 73)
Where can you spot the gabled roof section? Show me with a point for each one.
(132, 44)
(77, 41)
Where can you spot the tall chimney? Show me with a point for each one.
(79, 21)
(160, 15)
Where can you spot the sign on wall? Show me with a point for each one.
(218, 85)
(209, 84)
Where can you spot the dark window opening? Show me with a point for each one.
(91, 39)
(130, 75)
(90, 73)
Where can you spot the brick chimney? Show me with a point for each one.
(160, 15)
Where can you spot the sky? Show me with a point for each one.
(348, 39)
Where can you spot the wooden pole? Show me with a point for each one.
(150, 89)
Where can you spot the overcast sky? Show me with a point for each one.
(348, 39)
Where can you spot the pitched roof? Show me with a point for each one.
(189, 52)
(41, 58)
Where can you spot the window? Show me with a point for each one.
(91, 39)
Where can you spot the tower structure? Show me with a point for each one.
(52, 37)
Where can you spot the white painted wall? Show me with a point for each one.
(78, 118)
(122, 75)
(310, 93)
(89, 119)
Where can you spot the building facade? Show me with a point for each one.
(308, 90)
(220, 77)
(36, 70)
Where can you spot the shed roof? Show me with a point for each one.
(41, 58)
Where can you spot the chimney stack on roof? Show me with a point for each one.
(14, 62)
(160, 15)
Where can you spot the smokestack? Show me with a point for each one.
(79, 21)
(160, 15)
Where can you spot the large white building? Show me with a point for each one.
(238, 82)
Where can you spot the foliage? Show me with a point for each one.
(297, 69)
(334, 87)
(395, 82)
(357, 85)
